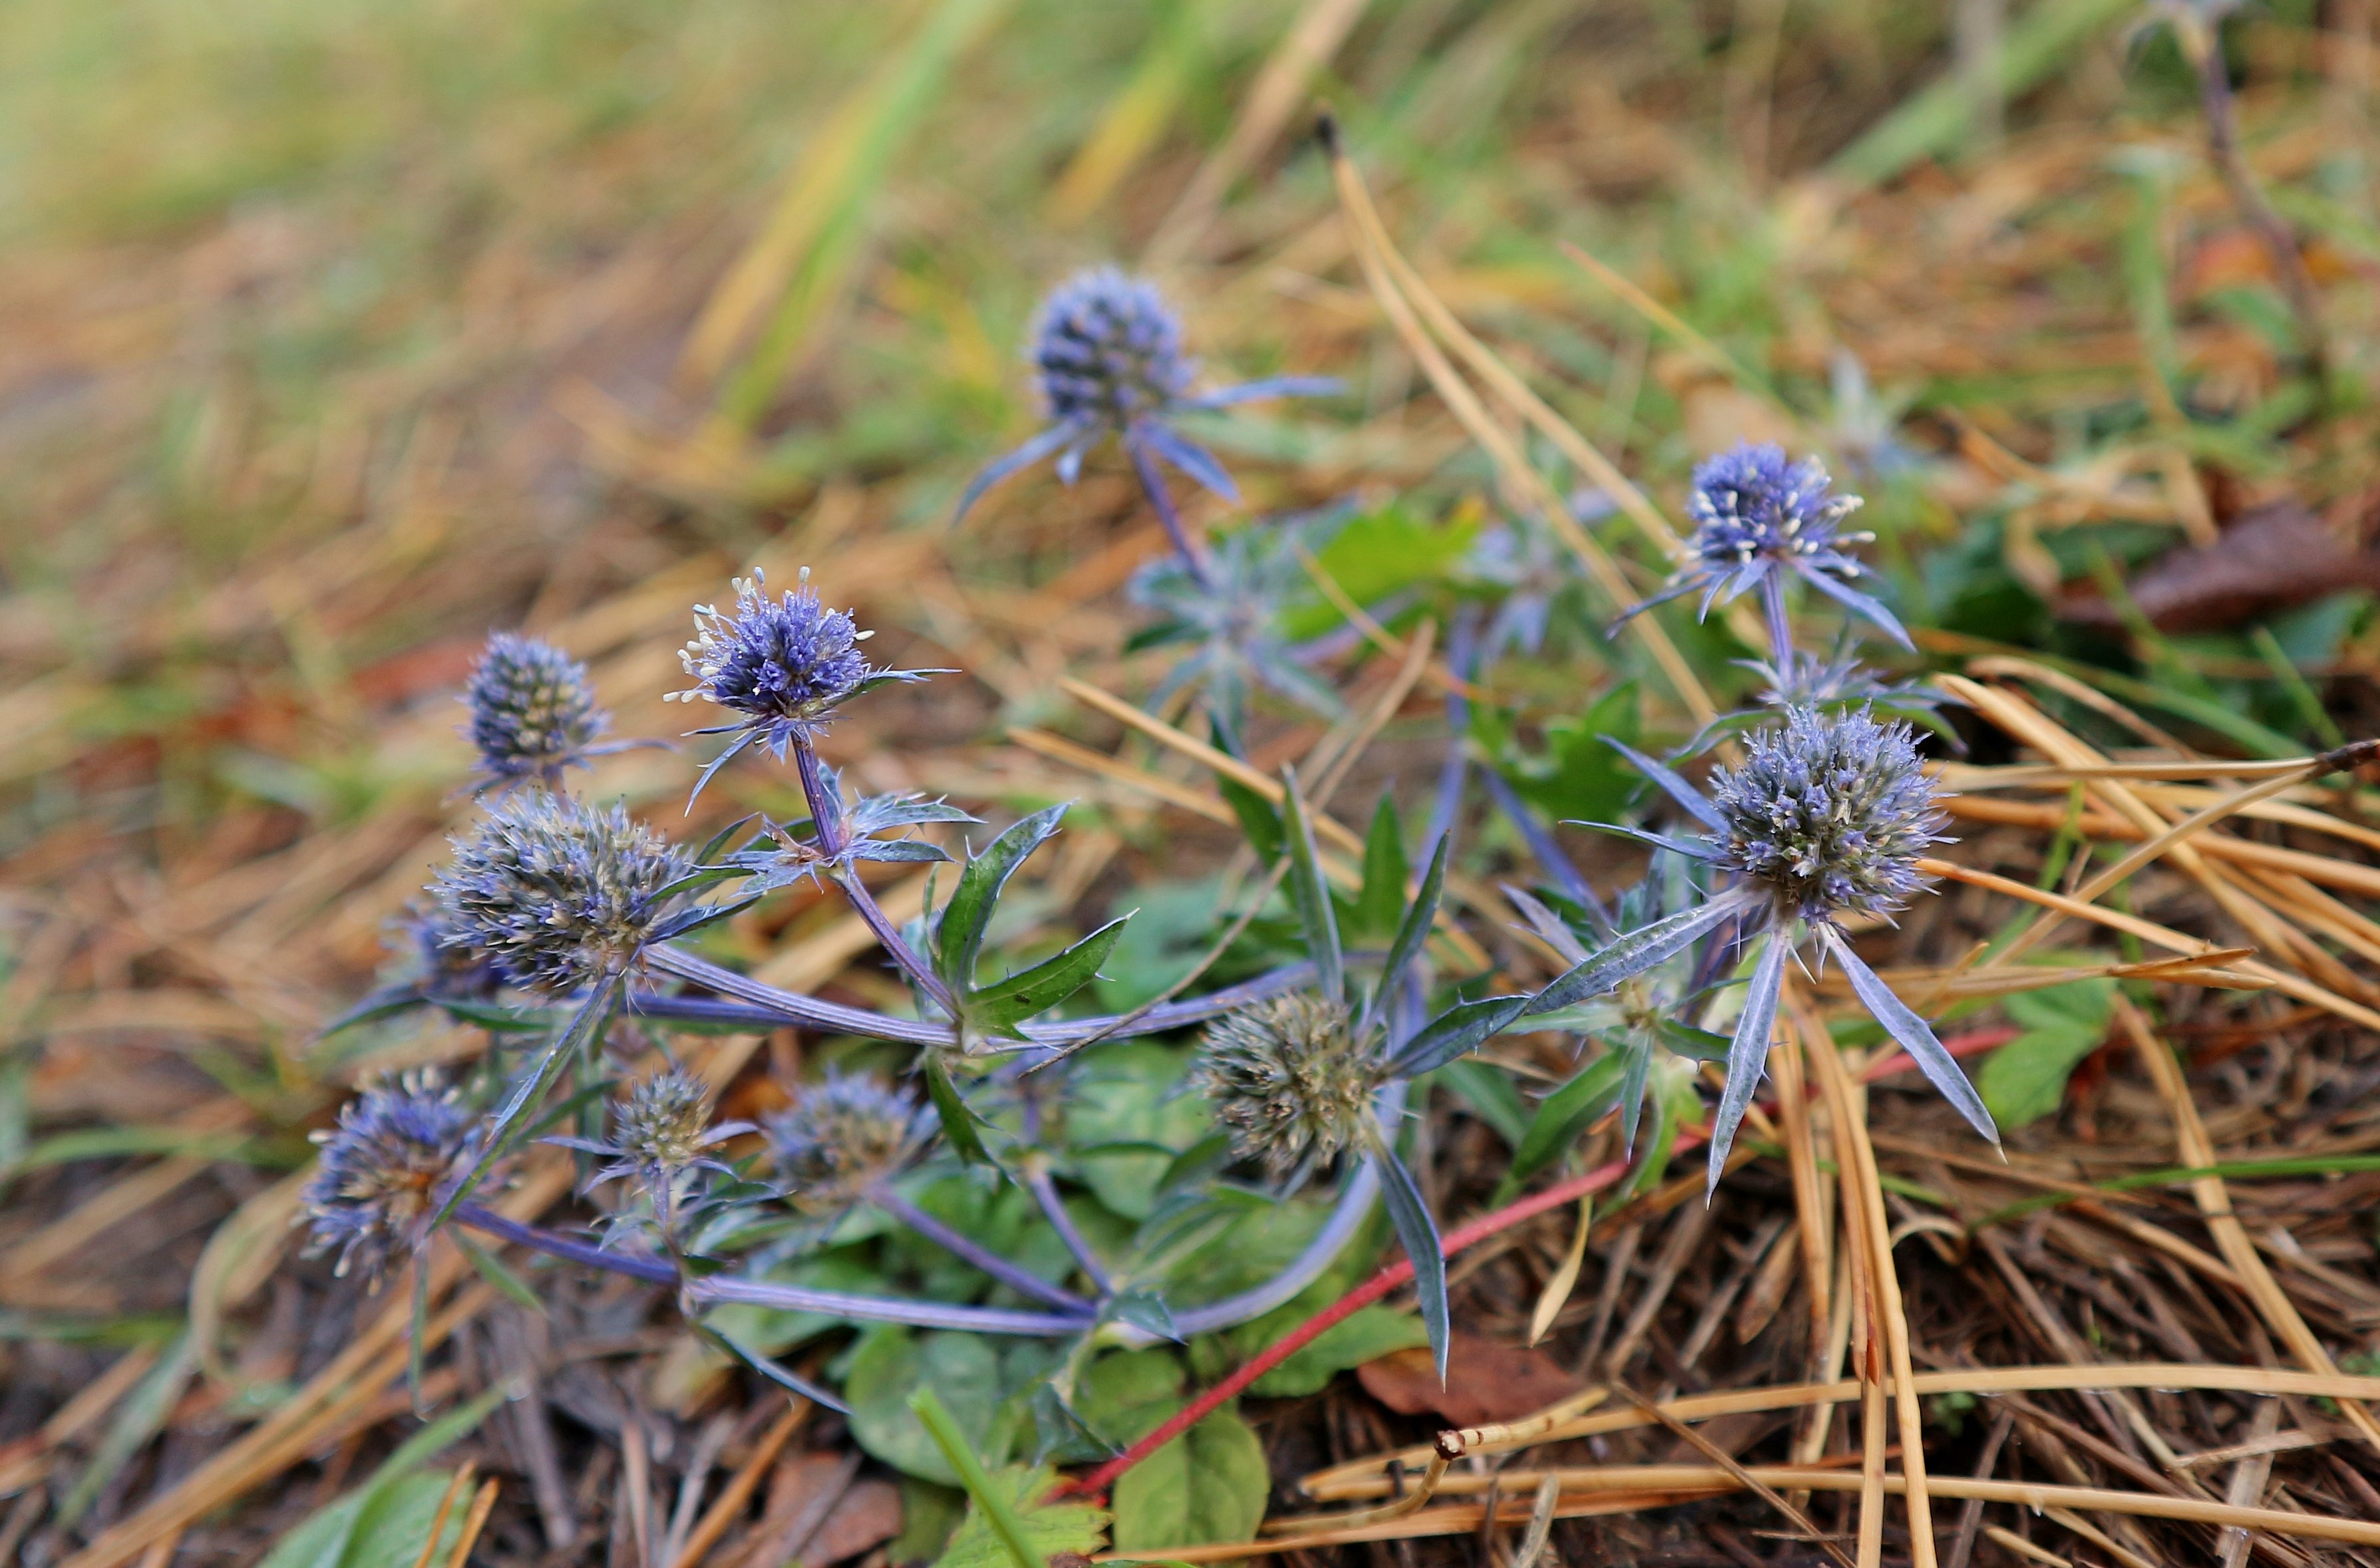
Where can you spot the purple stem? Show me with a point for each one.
(1054, 1208)
(791, 1298)
(826, 811)
(1152, 484)
(1781, 626)
(991, 1263)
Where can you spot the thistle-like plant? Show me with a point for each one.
(841, 1137)
(1828, 815)
(1296, 1080)
(861, 830)
(1227, 613)
(397, 1146)
(1759, 517)
(532, 712)
(1107, 353)
(662, 1141)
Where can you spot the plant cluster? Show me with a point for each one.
(991, 1161)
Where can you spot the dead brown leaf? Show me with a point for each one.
(1486, 1381)
(2269, 559)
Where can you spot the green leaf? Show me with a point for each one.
(383, 1522)
(1206, 1485)
(493, 1270)
(893, 1363)
(959, 940)
(1002, 1007)
(1489, 1093)
(2025, 1079)
(1417, 1232)
(1456, 1032)
(1374, 555)
(1258, 820)
(1562, 1116)
(1579, 774)
(1309, 893)
(1122, 1111)
(1047, 1526)
(960, 1124)
(1367, 1334)
(1125, 1396)
(1414, 928)
(1382, 900)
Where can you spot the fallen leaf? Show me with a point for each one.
(1486, 1381)
(2270, 559)
(867, 1517)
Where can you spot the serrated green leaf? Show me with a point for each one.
(2025, 1079)
(998, 1008)
(960, 1124)
(1258, 818)
(1412, 929)
(1458, 1031)
(1049, 1528)
(959, 939)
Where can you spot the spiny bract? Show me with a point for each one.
(556, 892)
(1829, 812)
(1289, 1080)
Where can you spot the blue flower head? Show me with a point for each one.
(1830, 814)
(556, 892)
(840, 1136)
(381, 1167)
(1107, 352)
(532, 710)
(1757, 517)
(785, 664)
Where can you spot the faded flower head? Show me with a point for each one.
(1829, 812)
(840, 1135)
(786, 663)
(661, 1129)
(1109, 349)
(556, 892)
(396, 1143)
(532, 710)
(1289, 1080)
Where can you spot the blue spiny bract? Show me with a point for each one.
(556, 892)
(381, 1168)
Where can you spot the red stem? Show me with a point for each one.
(1402, 1271)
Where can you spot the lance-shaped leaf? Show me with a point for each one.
(1458, 1031)
(998, 1008)
(1310, 894)
(1748, 1056)
(960, 1124)
(1382, 899)
(1561, 1117)
(1412, 931)
(1638, 951)
(959, 942)
(513, 1122)
(1638, 1052)
(1419, 1234)
(718, 841)
(1941, 1069)
(1258, 821)
(1672, 786)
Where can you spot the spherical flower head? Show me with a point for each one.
(532, 709)
(1289, 1080)
(841, 1136)
(665, 1123)
(1109, 350)
(1830, 813)
(381, 1167)
(556, 892)
(786, 663)
(1752, 503)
